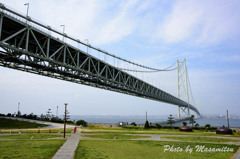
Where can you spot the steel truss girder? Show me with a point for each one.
(26, 48)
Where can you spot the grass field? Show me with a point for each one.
(118, 149)
(16, 124)
(116, 136)
(43, 146)
(153, 131)
(152, 149)
(33, 136)
(200, 139)
(37, 149)
(54, 130)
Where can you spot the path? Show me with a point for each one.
(67, 151)
(51, 124)
(237, 156)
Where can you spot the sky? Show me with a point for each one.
(153, 33)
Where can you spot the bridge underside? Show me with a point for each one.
(27, 48)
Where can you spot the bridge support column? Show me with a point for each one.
(186, 84)
(178, 87)
(182, 86)
(179, 112)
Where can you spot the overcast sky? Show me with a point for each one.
(154, 33)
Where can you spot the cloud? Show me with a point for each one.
(118, 26)
(231, 58)
(104, 22)
(203, 22)
(133, 24)
(179, 24)
(101, 22)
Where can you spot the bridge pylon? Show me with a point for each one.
(28, 45)
(182, 87)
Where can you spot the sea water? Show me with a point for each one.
(140, 120)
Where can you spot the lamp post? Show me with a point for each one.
(87, 44)
(63, 30)
(227, 119)
(18, 112)
(27, 4)
(57, 112)
(65, 118)
(146, 115)
(48, 114)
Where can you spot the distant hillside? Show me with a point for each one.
(16, 124)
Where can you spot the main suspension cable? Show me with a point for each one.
(6, 8)
(144, 71)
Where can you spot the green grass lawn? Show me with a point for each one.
(37, 149)
(199, 139)
(116, 136)
(54, 130)
(119, 149)
(16, 124)
(33, 136)
(147, 131)
(152, 131)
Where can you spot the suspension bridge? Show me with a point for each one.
(29, 45)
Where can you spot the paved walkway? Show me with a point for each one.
(237, 156)
(67, 151)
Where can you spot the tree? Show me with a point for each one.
(57, 120)
(81, 122)
(196, 125)
(18, 114)
(184, 123)
(207, 126)
(133, 124)
(48, 115)
(42, 117)
(158, 126)
(146, 126)
(170, 120)
(191, 120)
(2, 114)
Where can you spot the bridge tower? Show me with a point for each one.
(182, 86)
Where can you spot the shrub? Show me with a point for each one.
(131, 127)
(57, 120)
(81, 122)
(169, 127)
(133, 124)
(158, 126)
(234, 131)
(2, 114)
(207, 126)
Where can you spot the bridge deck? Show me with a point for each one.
(25, 47)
